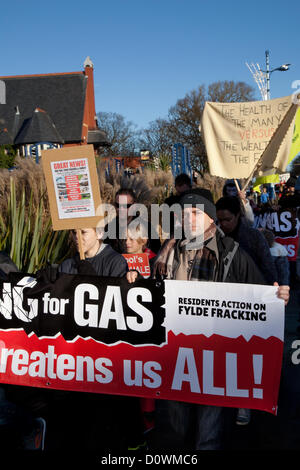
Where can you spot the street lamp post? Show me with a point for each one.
(268, 74)
(282, 68)
(262, 77)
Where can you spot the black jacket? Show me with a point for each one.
(107, 263)
(6, 266)
(254, 243)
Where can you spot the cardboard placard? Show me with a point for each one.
(138, 262)
(72, 185)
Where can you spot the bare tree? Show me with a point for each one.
(230, 92)
(121, 134)
(182, 123)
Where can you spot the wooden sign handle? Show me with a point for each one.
(79, 238)
(237, 185)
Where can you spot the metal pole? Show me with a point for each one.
(268, 74)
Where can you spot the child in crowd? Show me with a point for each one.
(136, 243)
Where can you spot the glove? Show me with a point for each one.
(48, 274)
(85, 267)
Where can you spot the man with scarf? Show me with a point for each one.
(204, 254)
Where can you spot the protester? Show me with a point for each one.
(136, 243)
(182, 184)
(280, 256)
(20, 428)
(264, 197)
(253, 242)
(280, 191)
(100, 258)
(253, 199)
(231, 189)
(291, 199)
(6, 266)
(205, 255)
(115, 230)
(93, 421)
(232, 223)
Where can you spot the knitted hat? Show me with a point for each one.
(200, 196)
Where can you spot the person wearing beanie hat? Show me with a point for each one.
(204, 253)
(200, 197)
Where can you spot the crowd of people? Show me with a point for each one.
(223, 248)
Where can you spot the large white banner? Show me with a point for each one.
(238, 136)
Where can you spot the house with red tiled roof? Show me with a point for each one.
(50, 111)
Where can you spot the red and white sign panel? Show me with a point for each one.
(139, 262)
(218, 344)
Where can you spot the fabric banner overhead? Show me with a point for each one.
(246, 139)
(294, 151)
(284, 224)
(200, 342)
(295, 147)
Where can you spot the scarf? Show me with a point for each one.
(194, 260)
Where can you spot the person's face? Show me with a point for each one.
(227, 221)
(182, 188)
(90, 241)
(231, 191)
(135, 245)
(123, 203)
(195, 222)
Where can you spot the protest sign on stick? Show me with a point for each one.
(243, 139)
(73, 190)
(72, 185)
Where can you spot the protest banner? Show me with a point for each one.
(73, 190)
(284, 223)
(295, 146)
(294, 151)
(72, 185)
(201, 342)
(138, 262)
(246, 139)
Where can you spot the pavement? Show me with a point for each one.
(265, 432)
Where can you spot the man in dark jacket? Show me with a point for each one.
(250, 239)
(205, 254)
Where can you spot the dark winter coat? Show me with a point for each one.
(254, 243)
(107, 263)
(234, 264)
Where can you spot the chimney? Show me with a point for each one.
(90, 115)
